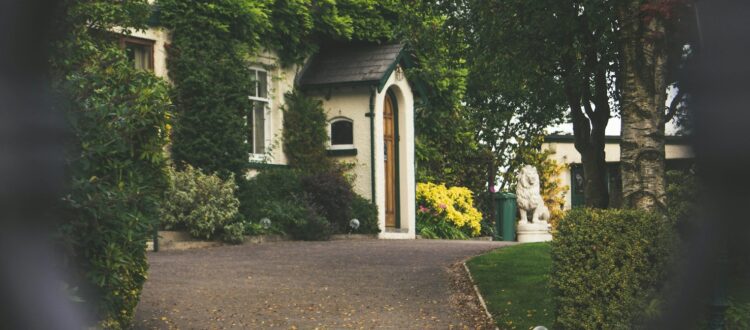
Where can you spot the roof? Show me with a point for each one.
(351, 63)
(669, 139)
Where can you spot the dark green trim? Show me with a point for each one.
(341, 152)
(400, 58)
(265, 166)
(372, 143)
(396, 145)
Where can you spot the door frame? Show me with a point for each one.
(396, 158)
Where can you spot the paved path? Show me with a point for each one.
(337, 284)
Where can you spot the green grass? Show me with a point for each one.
(513, 282)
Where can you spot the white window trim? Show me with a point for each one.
(332, 146)
(268, 122)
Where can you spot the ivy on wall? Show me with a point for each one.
(208, 62)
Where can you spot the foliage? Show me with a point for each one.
(299, 218)
(432, 226)
(300, 26)
(682, 195)
(514, 283)
(305, 134)
(454, 206)
(608, 267)
(436, 40)
(115, 161)
(204, 204)
(532, 61)
(333, 194)
(269, 185)
(367, 213)
(207, 63)
(327, 194)
(233, 233)
(737, 316)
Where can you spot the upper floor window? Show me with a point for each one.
(342, 134)
(257, 120)
(139, 51)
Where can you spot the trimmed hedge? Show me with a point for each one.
(608, 268)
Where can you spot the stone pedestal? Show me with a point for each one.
(533, 232)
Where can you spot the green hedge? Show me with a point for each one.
(608, 268)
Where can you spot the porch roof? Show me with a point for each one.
(350, 64)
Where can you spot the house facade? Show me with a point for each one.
(369, 104)
(678, 154)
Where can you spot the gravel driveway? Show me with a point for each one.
(338, 284)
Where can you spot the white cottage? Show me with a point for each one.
(370, 107)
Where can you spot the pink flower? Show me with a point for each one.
(423, 209)
(442, 206)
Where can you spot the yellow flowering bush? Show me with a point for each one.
(440, 208)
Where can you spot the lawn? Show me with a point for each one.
(513, 282)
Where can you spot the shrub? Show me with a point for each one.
(269, 185)
(115, 159)
(305, 134)
(330, 191)
(441, 208)
(234, 233)
(327, 192)
(299, 218)
(204, 204)
(608, 266)
(367, 214)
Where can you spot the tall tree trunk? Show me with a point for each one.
(644, 87)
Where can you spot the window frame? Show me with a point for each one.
(151, 44)
(267, 126)
(332, 146)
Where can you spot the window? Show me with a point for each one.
(342, 135)
(256, 118)
(140, 52)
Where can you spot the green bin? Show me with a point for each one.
(505, 216)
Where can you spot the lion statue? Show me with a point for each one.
(529, 198)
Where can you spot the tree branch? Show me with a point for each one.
(673, 106)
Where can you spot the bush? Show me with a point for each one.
(268, 186)
(118, 119)
(299, 218)
(204, 204)
(330, 191)
(367, 214)
(608, 267)
(440, 209)
(305, 134)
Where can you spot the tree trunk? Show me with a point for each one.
(596, 194)
(643, 100)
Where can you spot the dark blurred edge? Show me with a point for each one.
(31, 173)
(718, 84)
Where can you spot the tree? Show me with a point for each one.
(445, 138)
(533, 60)
(652, 50)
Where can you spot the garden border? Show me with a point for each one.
(479, 295)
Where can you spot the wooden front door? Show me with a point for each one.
(389, 137)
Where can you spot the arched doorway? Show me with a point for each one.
(391, 140)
